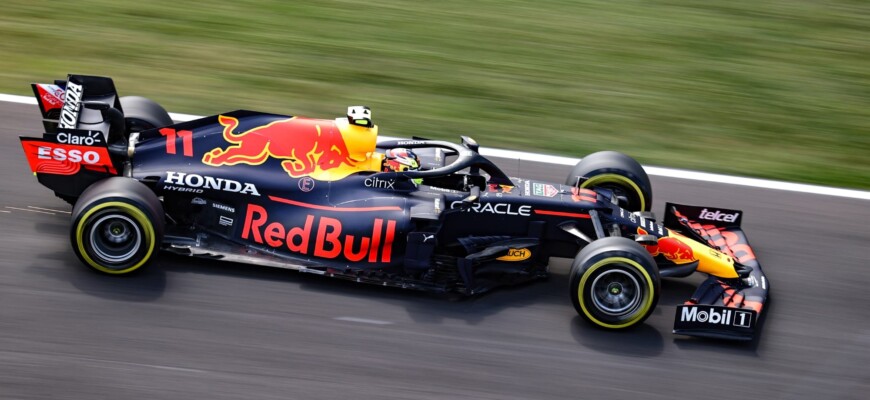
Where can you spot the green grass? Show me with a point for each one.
(769, 88)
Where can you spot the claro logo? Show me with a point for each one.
(328, 239)
(89, 139)
(718, 216)
(195, 183)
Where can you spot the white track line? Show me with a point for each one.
(363, 320)
(558, 160)
(28, 210)
(49, 210)
(11, 98)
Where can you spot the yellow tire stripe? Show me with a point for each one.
(644, 307)
(138, 215)
(614, 178)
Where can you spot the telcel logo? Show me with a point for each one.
(516, 255)
(718, 216)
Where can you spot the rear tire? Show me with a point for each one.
(614, 283)
(142, 114)
(616, 172)
(117, 226)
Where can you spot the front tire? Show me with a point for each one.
(617, 172)
(614, 283)
(117, 226)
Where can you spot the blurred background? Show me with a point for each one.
(768, 88)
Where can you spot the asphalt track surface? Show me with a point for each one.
(191, 329)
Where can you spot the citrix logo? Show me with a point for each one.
(374, 182)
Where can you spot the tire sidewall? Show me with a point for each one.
(607, 255)
(83, 228)
(129, 199)
(610, 168)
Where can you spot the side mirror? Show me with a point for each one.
(470, 143)
(117, 125)
(96, 105)
(472, 198)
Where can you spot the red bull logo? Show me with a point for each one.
(321, 237)
(671, 248)
(675, 250)
(307, 147)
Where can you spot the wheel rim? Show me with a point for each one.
(616, 292)
(627, 192)
(623, 196)
(115, 238)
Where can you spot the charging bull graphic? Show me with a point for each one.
(671, 247)
(308, 147)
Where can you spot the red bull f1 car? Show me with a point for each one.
(312, 195)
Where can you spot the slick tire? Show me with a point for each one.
(142, 114)
(614, 283)
(117, 226)
(617, 172)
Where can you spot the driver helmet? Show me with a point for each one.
(400, 160)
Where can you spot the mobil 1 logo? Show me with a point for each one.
(715, 318)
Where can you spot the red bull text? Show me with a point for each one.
(329, 242)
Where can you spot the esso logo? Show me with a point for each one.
(72, 155)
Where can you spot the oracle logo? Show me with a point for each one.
(495, 208)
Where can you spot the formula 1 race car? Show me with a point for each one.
(313, 195)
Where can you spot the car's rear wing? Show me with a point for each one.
(71, 103)
(78, 115)
(720, 308)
